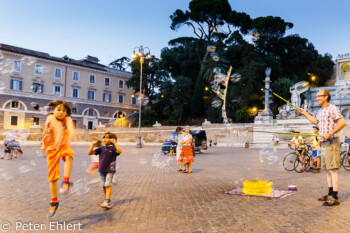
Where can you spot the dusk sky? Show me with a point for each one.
(110, 29)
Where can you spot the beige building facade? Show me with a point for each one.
(29, 80)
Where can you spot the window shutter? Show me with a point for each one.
(42, 88)
(11, 85)
(20, 85)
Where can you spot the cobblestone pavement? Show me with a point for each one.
(151, 199)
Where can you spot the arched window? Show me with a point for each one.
(119, 115)
(91, 112)
(345, 71)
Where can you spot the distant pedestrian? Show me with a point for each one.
(94, 159)
(179, 146)
(7, 150)
(330, 122)
(186, 155)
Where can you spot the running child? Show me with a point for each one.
(56, 142)
(7, 150)
(107, 164)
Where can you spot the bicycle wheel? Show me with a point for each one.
(307, 161)
(299, 164)
(288, 161)
(345, 160)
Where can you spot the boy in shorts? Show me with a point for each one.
(107, 164)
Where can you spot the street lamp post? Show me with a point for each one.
(142, 55)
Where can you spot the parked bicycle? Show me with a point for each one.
(345, 155)
(298, 161)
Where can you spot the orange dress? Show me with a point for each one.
(56, 141)
(186, 155)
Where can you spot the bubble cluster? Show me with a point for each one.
(160, 160)
(144, 99)
(268, 156)
(342, 91)
(80, 187)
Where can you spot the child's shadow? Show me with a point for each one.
(106, 215)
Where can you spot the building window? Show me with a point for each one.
(74, 110)
(133, 100)
(91, 112)
(17, 66)
(75, 92)
(57, 90)
(14, 120)
(16, 85)
(106, 82)
(107, 97)
(121, 84)
(75, 76)
(38, 70)
(92, 79)
(58, 73)
(14, 104)
(91, 95)
(37, 87)
(121, 99)
(35, 120)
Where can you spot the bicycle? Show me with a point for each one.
(345, 155)
(293, 160)
(301, 165)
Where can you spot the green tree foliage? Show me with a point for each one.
(121, 63)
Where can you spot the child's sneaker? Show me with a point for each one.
(65, 187)
(53, 209)
(106, 204)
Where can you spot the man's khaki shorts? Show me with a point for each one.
(330, 154)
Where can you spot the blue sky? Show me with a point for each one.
(110, 29)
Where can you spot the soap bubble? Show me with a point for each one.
(216, 103)
(25, 168)
(235, 77)
(211, 48)
(255, 36)
(268, 156)
(160, 160)
(83, 164)
(80, 187)
(143, 161)
(5, 63)
(36, 87)
(215, 87)
(342, 91)
(217, 70)
(28, 61)
(300, 87)
(144, 99)
(216, 58)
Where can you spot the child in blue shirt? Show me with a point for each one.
(107, 164)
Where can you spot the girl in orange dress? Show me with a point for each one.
(56, 142)
(186, 155)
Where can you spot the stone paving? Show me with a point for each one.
(151, 199)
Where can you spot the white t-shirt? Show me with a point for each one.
(185, 138)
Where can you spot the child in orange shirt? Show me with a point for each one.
(56, 142)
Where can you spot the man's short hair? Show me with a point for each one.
(178, 129)
(326, 92)
(110, 135)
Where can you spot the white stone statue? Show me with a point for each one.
(295, 98)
